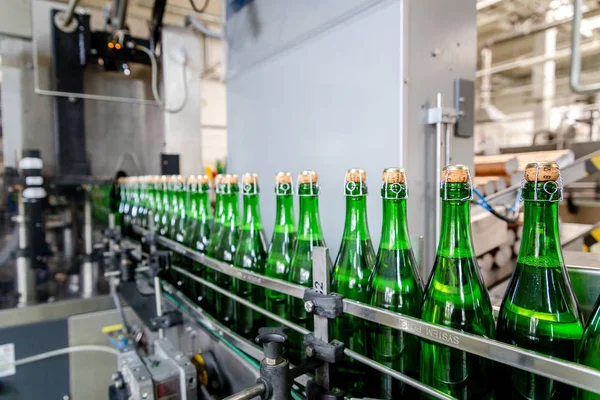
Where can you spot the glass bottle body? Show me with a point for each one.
(224, 250)
(539, 311)
(350, 278)
(456, 297)
(251, 255)
(280, 255)
(309, 236)
(395, 286)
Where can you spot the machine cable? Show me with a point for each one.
(155, 93)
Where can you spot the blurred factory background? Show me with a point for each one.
(93, 90)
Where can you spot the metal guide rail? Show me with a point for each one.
(553, 368)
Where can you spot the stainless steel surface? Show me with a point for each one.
(25, 274)
(329, 47)
(396, 375)
(89, 278)
(51, 311)
(321, 280)
(88, 375)
(575, 74)
(250, 393)
(158, 300)
(136, 375)
(567, 372)
(264, 281)
(188, 382)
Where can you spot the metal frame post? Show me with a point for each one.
(321, 279)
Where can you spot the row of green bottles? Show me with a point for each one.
(548, 322)
(589, 353)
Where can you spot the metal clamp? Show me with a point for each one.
(159, 261)
(332, 352)
(326, 305)
(167, 320)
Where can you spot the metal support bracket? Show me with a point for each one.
(332, 352)
(325, 305)
(159, 261)
(167, 320)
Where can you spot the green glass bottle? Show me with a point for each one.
(122, 186)
(199, 228)
(130, 216)
(213, 242)
(149, 206)
(158, 203)
(143, 198)
(353, 266)
(251, 255)
(282, 245)
(177, 209)
(395, 286)
(539, 311)
(165, 216)
(456, 297)
(226, 248)
(589, 354)
(310, 235)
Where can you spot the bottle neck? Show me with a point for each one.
(284, 216)
(231, 210)
(252, 220)
(540, 243)
(356, 226)
(310, 221)
(203, 204)
(455, 237)
(394, 229)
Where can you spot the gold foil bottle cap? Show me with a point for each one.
(250, 178)
(180, 179)
(122, 180)
(394, 175)
(203, 179)
(456, 174)
(155, 178)
(219, 179)
(356, 175)
(230, 179)
(192, 179)
(308, 177)
(545, 171)
(164, 178)
(283, 177)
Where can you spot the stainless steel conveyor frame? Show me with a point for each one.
(563, 371)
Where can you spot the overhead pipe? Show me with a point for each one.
(576, 51)
(538, 28)
(531, 61)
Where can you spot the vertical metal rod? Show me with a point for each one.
(447, 144)
(87, 232)
(111, 220)
(158, 298)
(89, 273)
(25, 275)
(321, 279)
(438, 173)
